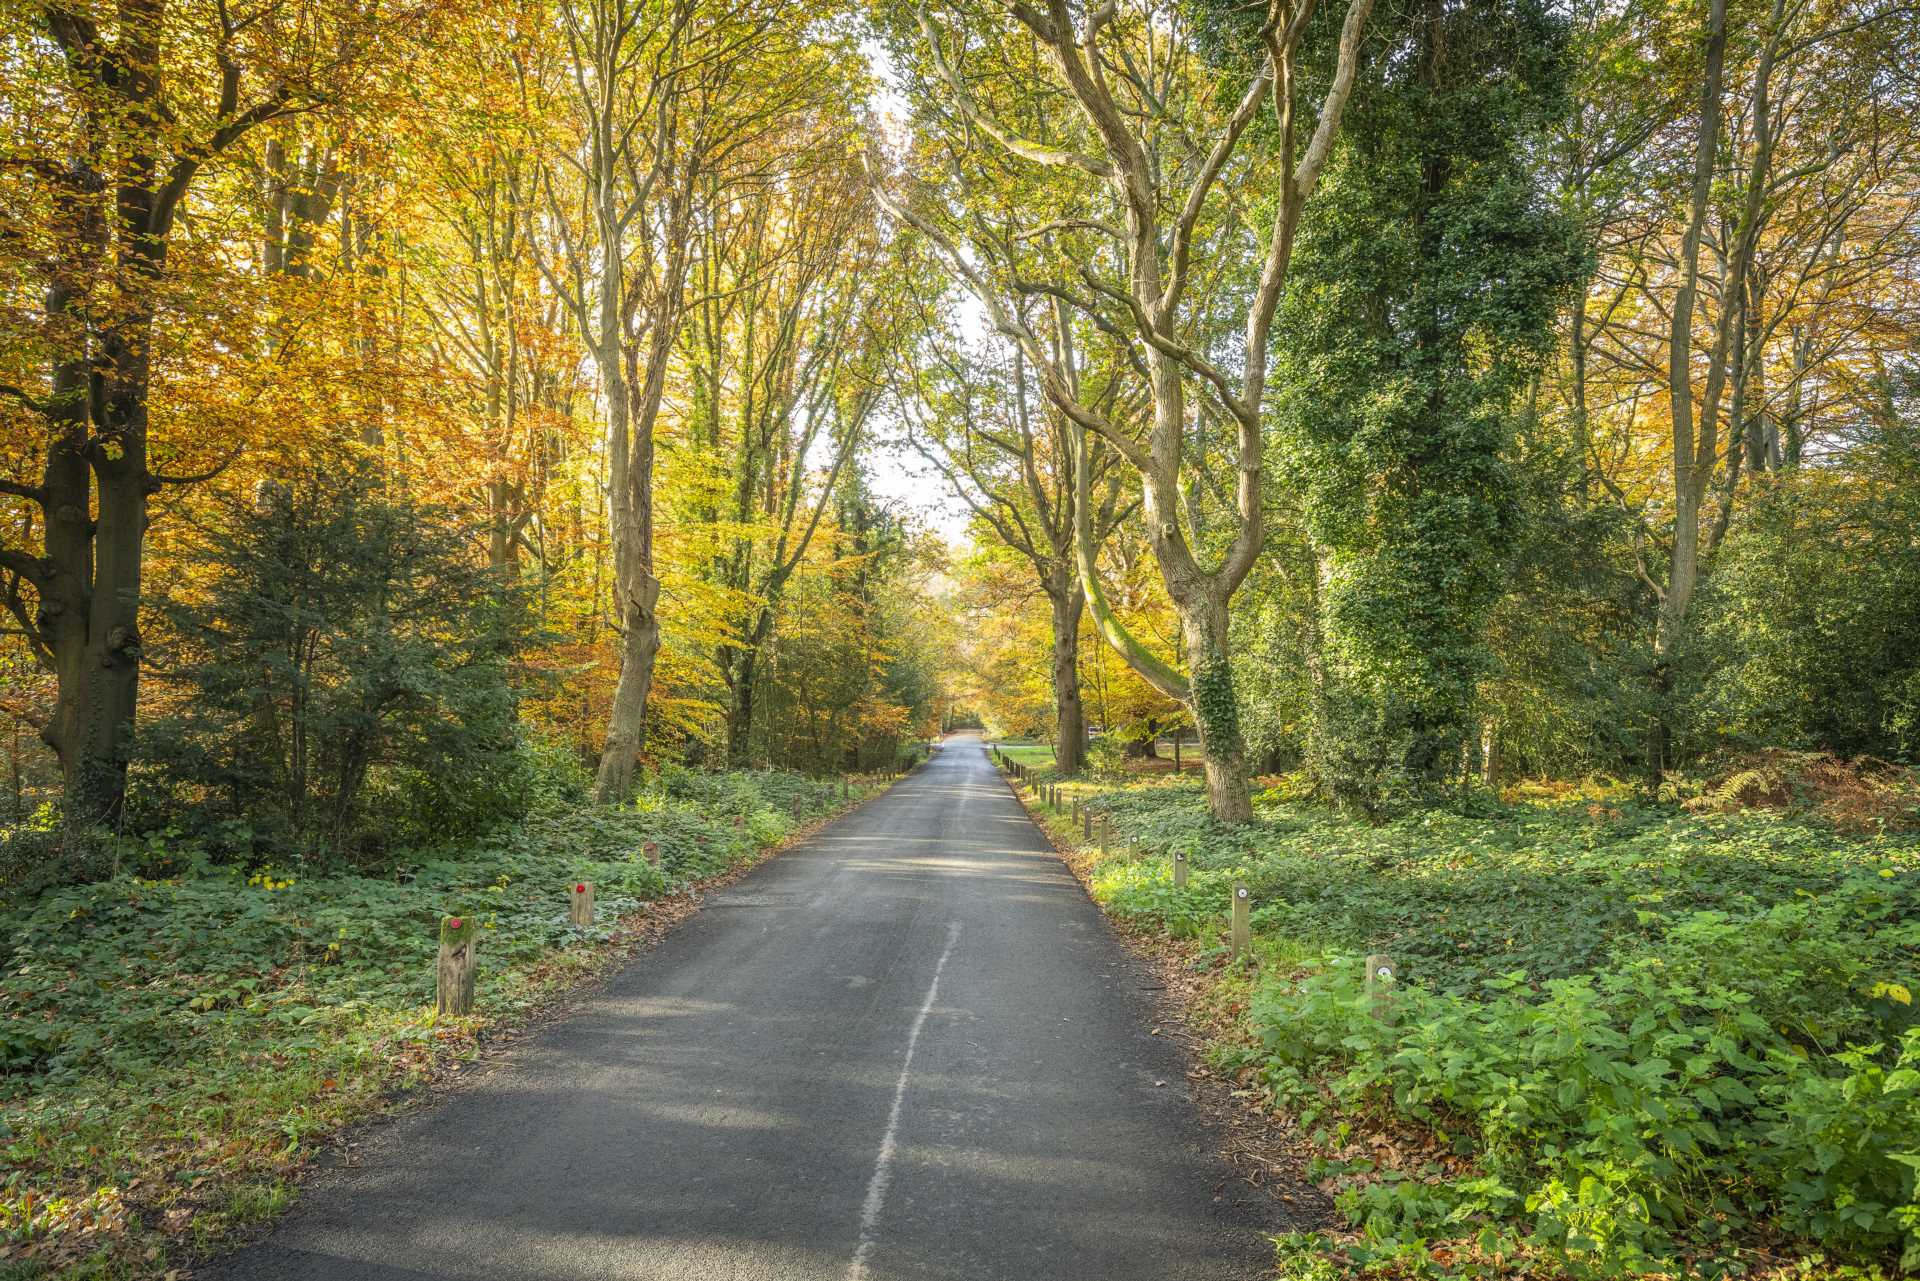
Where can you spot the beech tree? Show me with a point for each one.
(789, 318)
(1149, 141)
(662, 97)
(1010, 457)
(137, 107)
(1770, 191)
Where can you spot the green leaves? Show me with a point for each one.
(224, 1017)
(1648, 1032)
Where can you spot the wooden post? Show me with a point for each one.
(652, 850)
(1086, 824)
(1076, 809)
(739, 821)
(580, 902)
(1242, 920)
(1106, 834)
(1179, 869)
(1177, 736)
(454, 973)
(1381, 976)
(794, 806)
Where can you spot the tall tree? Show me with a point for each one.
(654, 105)
(1154, 143)
(1769, 197)
(139, 105)
(790, 315)
(1009, 456)
(1424, 299)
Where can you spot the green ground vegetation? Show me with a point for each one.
(176, 1039)
(1625, 1038)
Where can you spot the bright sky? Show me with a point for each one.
(894, 474)
(905, 479)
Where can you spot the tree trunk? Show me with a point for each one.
(636, 590)
(1069, 715)
(627, 722)
(1693, 458)
(740, 708)
(633, 614)
(89, 616)
(1215, 706)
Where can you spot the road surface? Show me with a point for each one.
(908, 1048)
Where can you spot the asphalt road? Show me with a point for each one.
(909, 1048)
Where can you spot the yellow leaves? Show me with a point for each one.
(1898, 992)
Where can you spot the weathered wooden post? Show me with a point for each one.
(1176, 750)
(1086, 823)
(580, 902)
(1381, 976)
(1179, 869)
(739, 820)
(454, 974)
(652, 850)
(1242, 920)
(1106, 834)
(793, 807)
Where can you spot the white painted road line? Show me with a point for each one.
(883, 1165)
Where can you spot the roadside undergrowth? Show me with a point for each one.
(177, 1048)
(1624, 1039)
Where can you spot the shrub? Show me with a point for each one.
(339, 657)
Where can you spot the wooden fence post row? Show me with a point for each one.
(1242, 920)
(457, 963)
